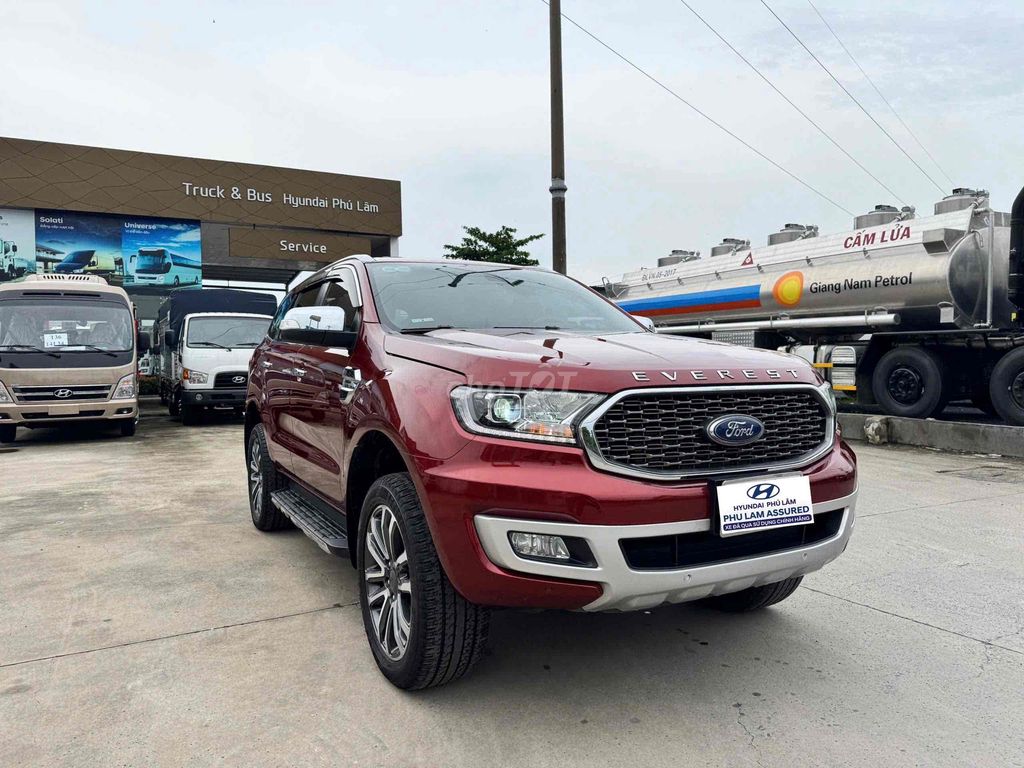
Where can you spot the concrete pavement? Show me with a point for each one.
(144, 622)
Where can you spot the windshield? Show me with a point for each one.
(419, 297)
(150, 261)
(79, 258)
(69, 325)
(226, 331)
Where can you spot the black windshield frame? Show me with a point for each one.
(506, 298)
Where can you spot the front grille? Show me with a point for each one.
(68, 393)
(686, 550)
(226, 380)
(663, 432)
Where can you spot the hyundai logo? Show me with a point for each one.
(763, 491)
(735, 429)
(238, 380)
(63, 393)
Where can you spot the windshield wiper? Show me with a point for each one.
(208, 344)
(94, 348)
(49, 352)
(427, 330)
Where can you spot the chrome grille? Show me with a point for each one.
(660, 432)
(71, 392)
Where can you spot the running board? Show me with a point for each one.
(308, 517)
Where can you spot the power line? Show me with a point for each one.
(853, 98)
(789, 101)
(703, 114)
(890, 106)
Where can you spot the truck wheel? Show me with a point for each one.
(1007, 387)
(128, 427)
(7, 433)
(190, 414)
(910, 381)
(754, 598)
(174, 404)
(264, 479)
(421, 631)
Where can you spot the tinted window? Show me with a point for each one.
(415, 296)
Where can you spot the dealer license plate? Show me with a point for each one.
(765, 503)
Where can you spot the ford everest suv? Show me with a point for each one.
(475, 435)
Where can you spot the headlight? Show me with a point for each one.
(196, 377)
(125, 388)
(829, 395)
(5, 396)
(533, 414)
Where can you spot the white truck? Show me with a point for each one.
(205, 339)
(11, 264)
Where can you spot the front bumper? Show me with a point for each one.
(627, 589)
(214, 398)
(49, 414)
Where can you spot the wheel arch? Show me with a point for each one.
(375, 454)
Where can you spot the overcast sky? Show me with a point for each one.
(451, 98)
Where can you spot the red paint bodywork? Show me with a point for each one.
(313, 434)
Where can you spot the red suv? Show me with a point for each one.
(474, 435)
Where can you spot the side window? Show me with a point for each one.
(340, 293)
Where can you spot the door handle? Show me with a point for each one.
(296, 372)
(266, 363)
(351, 379)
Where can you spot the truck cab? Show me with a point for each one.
(205, 338)
(68, 353)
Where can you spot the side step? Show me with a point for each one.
(308, 516)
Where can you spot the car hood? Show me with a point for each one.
(609, 363)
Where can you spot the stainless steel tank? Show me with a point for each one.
(927, 273)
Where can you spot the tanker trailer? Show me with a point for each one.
(902, 312)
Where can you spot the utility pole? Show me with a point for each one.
(557, 189)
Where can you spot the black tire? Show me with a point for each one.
(127, 427)
(177, 281)
(174, 404)
(1006, 387)
(8, 433)
(259, 467)
(754, 598)
(190, 414)
(446, 633)
(910, 381)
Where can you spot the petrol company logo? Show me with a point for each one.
(789, 288)
(63, 394)
(763, 491)
(735, 429)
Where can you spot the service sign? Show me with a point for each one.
(764, 503)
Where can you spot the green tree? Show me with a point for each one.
(501, 247)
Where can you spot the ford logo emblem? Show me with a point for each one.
(735, 429)
(63, 393)
(763, 491)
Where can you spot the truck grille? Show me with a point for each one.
(661, 433)
(227, 380)
(61, 394)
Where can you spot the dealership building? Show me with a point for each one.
(156, 223)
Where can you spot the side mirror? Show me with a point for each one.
(317, 326)
(142, 343)
(645, 321)
(14, 248)
(170, 339)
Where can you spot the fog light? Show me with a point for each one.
(538, 545)
(199, 397)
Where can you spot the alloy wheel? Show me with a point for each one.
(255, 477)
(388, 584)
